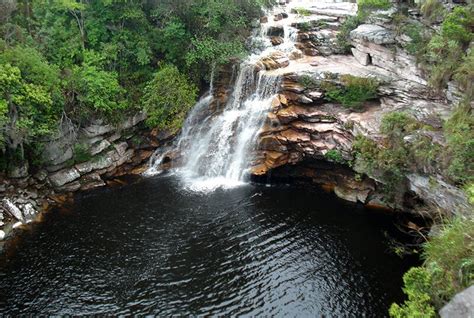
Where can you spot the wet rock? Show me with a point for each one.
(295, 54)
(305, 100)
(311, 52)
(114, 137)
(13, 210)
(96, 130)
(91, 181)
(71, 187)
(62, 177)
(461, 306)
(121, 148)
(133, 121)
(292, 87)
(276, 31)
(349, 194)
(278, 17)
(287, 115)
(264, 20)
(316, 96)
(276, 40)
(271, 143)
(29, 211)
(275, 60)
(295, 136)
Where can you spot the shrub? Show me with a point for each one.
(343, 39)
(417, 283)
(305, 26)
(459, 132)
(464, 74)
(354, 92)
(450, 259)
(445, 51)
(418, 40)
(432, 10)
(168, 97)
(459, 24)
(335, 156)
(448, 268)
(395, 124)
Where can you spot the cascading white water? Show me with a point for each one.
(215, 149)
(219, 148)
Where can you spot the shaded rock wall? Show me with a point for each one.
(303, 128)
(108, 151)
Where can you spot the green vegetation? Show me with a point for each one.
(448, 269)
(354, 91)
(168, 96)
(307, 81)
(86, 60)
(81, 153)
(418, 41)
(432, 10)
(365, 5)
(394, 156)
(335, 156)
(343, 39)
(459, 132)
(444, 55)
(303, 11)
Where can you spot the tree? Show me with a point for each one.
(168, 97)
(29, 106)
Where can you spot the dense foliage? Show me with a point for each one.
(448, 269)
(168, 96)
(84, 59)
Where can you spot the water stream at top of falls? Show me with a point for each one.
(215, 146)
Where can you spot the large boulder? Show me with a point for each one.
(461, 306)
(373, 33)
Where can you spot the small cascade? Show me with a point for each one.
(215, 148)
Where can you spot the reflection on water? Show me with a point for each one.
(154, 248)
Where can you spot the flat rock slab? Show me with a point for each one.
(373, 33)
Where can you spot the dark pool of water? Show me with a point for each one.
(153, 248)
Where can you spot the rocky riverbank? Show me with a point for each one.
(76, 160)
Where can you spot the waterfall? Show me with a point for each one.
(219, 148)
(215, 147)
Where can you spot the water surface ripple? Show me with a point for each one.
(153, 248)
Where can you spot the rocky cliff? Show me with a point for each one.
(305, 130)
(76, 159)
